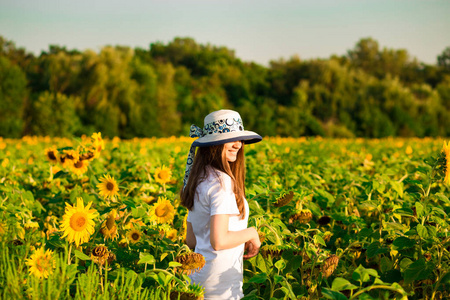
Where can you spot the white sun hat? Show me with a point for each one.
(220, 127)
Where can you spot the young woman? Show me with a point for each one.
(214, 193)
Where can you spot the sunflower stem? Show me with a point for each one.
(277, 237)
(68, 255)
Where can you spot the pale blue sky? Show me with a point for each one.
(257, 31)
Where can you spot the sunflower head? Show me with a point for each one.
(190, 262)
(330, 265)
(274, 251)
(41, 263)
(163, 175)
(303, 216)
(193, 291)
(52, 155)
(134, 236)
(80, 167)
(100, 254)
(162, 211)
(97, 144)
(170, 233)
(108, 187)
(109, 228)
(324, 220)
(69, 157)
(78, 222)
(285, 199)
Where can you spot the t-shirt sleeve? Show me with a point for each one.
(188, 219)
(222, 198)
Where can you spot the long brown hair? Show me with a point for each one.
(215, 157)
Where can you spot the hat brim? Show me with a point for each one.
(248, 137)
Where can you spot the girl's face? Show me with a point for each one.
(231, 150)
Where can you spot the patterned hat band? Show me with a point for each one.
(220, 126)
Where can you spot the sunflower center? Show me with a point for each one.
(78, 221)
(52, 155)
(162, 210)
(79, 164)
(110, 186)
(135, 236)
(164, 175)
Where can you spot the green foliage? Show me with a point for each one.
(54, 115)
(12, 98)
(162, 90)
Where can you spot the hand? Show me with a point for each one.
(252, 247)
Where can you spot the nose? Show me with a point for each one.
(237, 144)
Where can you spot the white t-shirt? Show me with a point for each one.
(222, 275)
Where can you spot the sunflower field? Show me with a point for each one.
(89, 218)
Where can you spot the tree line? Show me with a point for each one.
(162, 90)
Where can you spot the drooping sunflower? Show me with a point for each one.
(163, 174)
(303, 216)
(109, 228)
(330, 265)
(52, 155)
(162, 211)
(193, 291)
(41, 263)
(108, 187)
(134, 236)
(80, 167)
(100, 255)
(285, 199)
(190, 262)
(446, 151)
(77, 223)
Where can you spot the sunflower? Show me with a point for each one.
(69, 158)
(77, 223)
(41, 263)
(446, 151)
(163, 211)
(108, 187)
(97, 143)
(80, 167)
(52, 155)
(162, 174)
(285, 199)
(330, 265)
(167, 231)
(303, 216)
(109, 228)
(134, 236)
(190, 262)
(193, 291)
(273, 250)
(100, 254)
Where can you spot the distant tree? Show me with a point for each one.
(54, 114)
(143, 115)
(13, 94)
(169, 120)
(444, 59)
(365, 55)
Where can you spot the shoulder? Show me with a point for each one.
(217, 177)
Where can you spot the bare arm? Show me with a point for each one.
(191, 241)
(221, 238)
